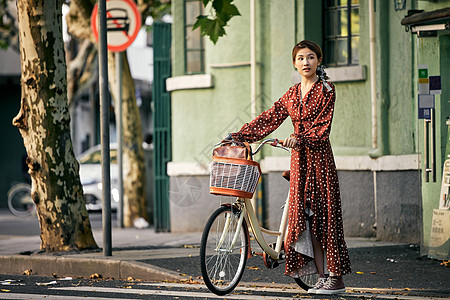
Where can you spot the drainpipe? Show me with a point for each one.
(253, 76)
(373, 79)
(252, 59)
(380, 106)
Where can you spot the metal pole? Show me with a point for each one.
(119, 136)
(104, 128)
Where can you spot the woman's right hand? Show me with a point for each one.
(290, 142)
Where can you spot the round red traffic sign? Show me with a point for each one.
(123, 22)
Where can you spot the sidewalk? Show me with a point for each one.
(379, 268)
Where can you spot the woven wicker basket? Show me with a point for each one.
(236, 177)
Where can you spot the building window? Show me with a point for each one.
(193, 43)
(341, 32)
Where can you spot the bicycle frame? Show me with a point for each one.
(248, 213)
(250, 217)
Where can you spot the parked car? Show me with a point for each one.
(91, 177)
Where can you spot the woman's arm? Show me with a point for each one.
(265, 123)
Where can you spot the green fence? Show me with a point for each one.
(162, 151)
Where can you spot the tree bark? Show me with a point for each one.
(44, 122)
(133, 153)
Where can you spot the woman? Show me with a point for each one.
(315, 215)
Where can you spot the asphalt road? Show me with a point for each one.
(391, 267)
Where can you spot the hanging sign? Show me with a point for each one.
(123, 22)
(435, 85)
(426, 104)
(424, 86)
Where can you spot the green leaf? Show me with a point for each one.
(214, 26)
(218, 5)
(230, 9)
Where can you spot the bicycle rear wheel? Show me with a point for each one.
(308, 281)
(222, 262)
(19, 200)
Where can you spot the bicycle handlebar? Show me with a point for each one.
(273, 142)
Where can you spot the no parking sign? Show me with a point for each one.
(123, 22)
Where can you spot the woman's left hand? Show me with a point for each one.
(290, 142)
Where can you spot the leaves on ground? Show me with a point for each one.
(27, 272)
(253, 268)
(95, 276)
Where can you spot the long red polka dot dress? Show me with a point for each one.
(314, 183)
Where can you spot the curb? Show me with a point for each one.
(84, 267)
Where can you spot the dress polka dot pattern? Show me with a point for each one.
(314, 182)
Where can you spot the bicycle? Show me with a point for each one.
(225, 243)
(20, 202)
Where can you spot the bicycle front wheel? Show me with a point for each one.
(19, 200)
(224, 249)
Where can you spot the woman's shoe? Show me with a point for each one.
(333, 285)
(319, 284)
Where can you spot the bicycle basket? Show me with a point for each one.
(234, 177)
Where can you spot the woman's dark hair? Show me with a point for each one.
(317, 50)
(307, 44)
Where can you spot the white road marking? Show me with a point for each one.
(184, 295)
(207, 294)
(50, 297)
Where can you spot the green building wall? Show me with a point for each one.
(434, 52)
(280, 25)
(201, 117)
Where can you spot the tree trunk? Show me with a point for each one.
(133, 153)
(44, 122)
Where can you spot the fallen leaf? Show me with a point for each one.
(446, 263)
(130, 278)
(95, 276)
(3, 290)
(373, 272)
(406, 289)
(359, 272)
(27, 272)
(253, 268)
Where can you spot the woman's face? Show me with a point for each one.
(306, 62)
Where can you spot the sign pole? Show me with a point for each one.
(119, 63)
(117, 36)
(104, 121)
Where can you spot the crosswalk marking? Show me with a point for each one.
(209, 295)
(50, 297)
(238, 288)
(144, 292)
